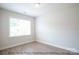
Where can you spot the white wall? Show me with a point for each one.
(5, 40)
(60, 27)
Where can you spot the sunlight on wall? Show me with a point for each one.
(19, 27)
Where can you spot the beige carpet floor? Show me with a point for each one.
(35, 48)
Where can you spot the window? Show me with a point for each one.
(19, 27)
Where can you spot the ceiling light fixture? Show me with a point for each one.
(37, 4)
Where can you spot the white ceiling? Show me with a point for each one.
(30, 9)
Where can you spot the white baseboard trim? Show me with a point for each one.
(16, 44)
(66, 48)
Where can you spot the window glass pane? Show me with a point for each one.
(19, 27)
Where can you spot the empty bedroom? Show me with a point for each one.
(39, 29)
